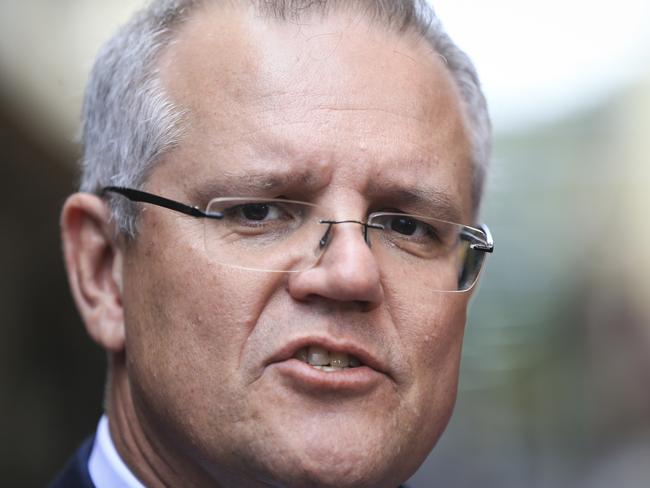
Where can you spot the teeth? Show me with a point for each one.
(339, 360)
(320, 358)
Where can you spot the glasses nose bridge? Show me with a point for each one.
(327, 236)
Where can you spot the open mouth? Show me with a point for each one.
(328, 361)
(320, 364)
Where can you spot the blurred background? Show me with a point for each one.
(555, 382)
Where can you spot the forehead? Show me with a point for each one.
(327, 102)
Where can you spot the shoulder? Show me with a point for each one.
(75, 473)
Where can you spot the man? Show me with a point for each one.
(276, 242)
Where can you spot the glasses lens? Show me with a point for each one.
(289, 236)
(267, 235)
(438, 254)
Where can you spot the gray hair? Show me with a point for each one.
(128, 121)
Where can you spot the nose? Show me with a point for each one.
(347, 271)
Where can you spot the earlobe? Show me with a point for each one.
(93, 261)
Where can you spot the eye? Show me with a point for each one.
(253, 219)
(404, 225)
(410, 227)
(257, 211)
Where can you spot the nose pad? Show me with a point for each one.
(347, 270)
(324, 241)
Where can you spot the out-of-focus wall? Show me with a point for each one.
(46, 51)
(634, 147)
(51, 374)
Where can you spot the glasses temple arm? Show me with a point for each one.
(144, 197)
(488, 244)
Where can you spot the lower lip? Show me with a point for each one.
(305, 377)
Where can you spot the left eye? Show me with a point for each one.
(410, 227)
(404, 225)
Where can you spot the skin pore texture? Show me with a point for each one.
(337, 112)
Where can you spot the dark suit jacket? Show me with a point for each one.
(75, 473)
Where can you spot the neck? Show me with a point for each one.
(148, 456)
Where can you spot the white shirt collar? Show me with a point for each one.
(107, 470)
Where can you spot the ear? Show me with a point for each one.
(93, 261)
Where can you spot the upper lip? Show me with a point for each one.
(346, 346)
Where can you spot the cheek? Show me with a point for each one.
(431, 328)
(430, 323)
(440, 343)
(187, 323)
(441, 333)
(179, 298)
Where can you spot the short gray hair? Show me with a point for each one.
(128, 121)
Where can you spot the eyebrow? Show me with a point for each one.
(255, 183)
(427, 201)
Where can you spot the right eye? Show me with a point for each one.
(257, 213)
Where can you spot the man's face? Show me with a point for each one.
(337, 113)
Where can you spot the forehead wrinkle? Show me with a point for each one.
(361, 109)
(275, 181)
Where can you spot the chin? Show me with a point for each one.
(341, 464)
(323, 473)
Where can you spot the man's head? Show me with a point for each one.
(357, 106)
